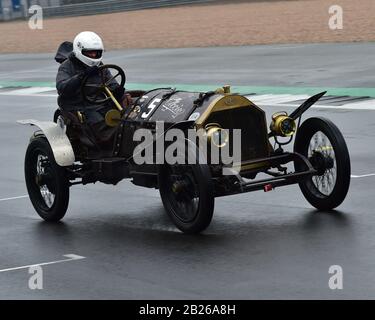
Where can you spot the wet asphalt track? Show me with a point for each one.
(259, 245)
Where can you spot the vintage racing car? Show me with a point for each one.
(66, 152)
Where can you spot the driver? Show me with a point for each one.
(82, 62)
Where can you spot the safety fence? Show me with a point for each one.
(92, 7)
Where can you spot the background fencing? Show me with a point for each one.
(112, 6)
(13, 9)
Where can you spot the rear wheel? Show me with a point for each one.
(187, 195)
(46, 182)
(319, 140)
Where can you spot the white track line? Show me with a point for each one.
(261, 97)
(368, 107)
(14, 198)
(276, 98)
(53, 95)
(279, 101)
(262, 100)
(71, 257)
(363, 175)
(26, 91)
(284, 99)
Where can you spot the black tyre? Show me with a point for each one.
(319, 140)
(46, 182)
(187, 195)
(56, 115)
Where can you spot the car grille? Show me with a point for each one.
(252, 122)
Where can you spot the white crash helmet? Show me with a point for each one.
(88, 47)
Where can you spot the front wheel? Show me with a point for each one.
(46, 182)
(319, 140)
(187, 195)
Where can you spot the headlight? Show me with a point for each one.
(218, 136)
(282, 125)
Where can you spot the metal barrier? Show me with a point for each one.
(107, 6)
(87, 8)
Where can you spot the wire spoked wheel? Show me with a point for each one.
(320, 141)
(322, 156)
(187, 196)
(46, 182)
(44, 178)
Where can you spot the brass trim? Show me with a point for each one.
(225, 102)
(110, 94)
(80, 116)
(211, 130)
(112, 118)
(250, 166)
(277, 124)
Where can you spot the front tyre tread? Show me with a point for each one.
(39, 145)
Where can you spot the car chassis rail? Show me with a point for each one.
(278, 179)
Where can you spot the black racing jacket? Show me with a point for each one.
(68, 84)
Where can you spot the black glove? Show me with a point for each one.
(91, 71)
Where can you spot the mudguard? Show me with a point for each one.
(57, 138)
